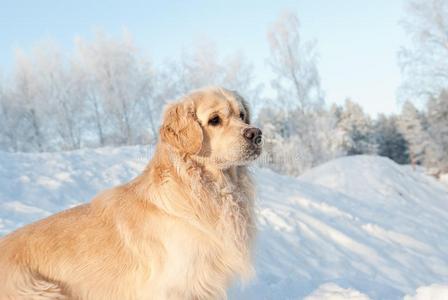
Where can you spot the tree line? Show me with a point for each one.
(105, 93)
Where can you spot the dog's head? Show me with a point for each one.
(214, 125)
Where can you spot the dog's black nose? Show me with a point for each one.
(253, 134)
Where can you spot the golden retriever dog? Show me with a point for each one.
(183, 229)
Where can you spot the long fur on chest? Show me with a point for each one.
(217, 205)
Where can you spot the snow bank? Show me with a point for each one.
(33, 186)
(361, 223)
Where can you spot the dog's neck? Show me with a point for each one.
(218, 203)
(191, 169)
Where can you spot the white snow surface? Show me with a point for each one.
(357, 227)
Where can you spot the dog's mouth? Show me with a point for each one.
(253, 151)
(242, 155)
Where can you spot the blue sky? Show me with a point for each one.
(357, 40)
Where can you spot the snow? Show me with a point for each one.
(444, 179)
(357, 227)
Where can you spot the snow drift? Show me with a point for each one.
(357, 227)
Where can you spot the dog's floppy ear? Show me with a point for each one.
(181, 128)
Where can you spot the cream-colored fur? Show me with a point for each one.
(183, 229)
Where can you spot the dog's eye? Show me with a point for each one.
(242, 116)
(215, 121)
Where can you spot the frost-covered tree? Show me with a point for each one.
(293, 61)
(119, 88)
(32, 114)
(199, 67)
(58, 90)
(424, 62)
(203, 66)
(9, 119)
(299, 132)
(437, 117)
(425, 70)
(297, 141)
(391, 143)
(110, 64)
(412, 125)
(95, 116)
(357, 128)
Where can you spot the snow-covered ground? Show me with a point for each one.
(355, 228)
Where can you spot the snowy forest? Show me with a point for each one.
(107, 92)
